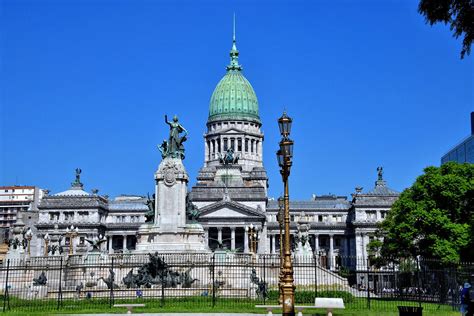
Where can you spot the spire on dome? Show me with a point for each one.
(234, 53)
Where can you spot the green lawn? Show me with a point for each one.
(204, 305)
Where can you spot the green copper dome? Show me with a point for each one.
(234, 98)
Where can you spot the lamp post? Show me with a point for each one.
(71, 234)
(253, 236)
(46, 244)
(284, 156)
(280, 218)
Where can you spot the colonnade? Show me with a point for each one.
(245, 145)
(125, 238)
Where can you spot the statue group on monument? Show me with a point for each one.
(173, 147)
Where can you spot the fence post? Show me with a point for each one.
(162, 299)
(264, 278)
(418, 279)
(368, 284)
(6, 296)
(111, 297)
(315, 275)
(60, 289)
(213, 280)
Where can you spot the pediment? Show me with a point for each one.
(229, 209)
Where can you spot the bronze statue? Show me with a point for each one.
(174, 147)
(77, 181)
(95, 243)
(150, 214)
(229, 157)
(192, 211)
(380, 173)
(41, 280)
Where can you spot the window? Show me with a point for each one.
(218, 145)
(371, 215)
(232, 143)
(225, 144)
(383, 214)
(246, 145)
(251, 146)
(6, 190)
(320, 218)
(239, 144)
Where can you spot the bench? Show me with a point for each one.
(320, 302)
(329, 303)
(129, 306)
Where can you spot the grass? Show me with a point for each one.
(204, 305)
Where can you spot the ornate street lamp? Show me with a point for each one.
(284, 156)
(280, 218)
(252, 232)
(71, 234)
(46, 244)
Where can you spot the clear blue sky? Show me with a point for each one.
(86, 84)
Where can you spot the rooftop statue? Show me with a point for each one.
(380, 173)
(174, 148)
(77, 181)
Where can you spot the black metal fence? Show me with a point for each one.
(224, 281)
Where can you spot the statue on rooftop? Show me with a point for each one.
(174, 147)
(380, 173)
(77, 181)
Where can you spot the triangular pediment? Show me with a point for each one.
(229, 209)
(232, 130)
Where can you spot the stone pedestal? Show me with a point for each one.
(170, 232)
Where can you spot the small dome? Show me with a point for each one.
(234, 98)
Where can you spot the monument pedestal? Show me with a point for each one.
(169, 232)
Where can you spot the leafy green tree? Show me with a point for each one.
(434, 218)
(458, 13)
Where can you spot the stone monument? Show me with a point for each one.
(169, 229)
(303, 248)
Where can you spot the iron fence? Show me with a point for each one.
(225, 281)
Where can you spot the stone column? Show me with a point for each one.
(109, 244)
(124, 246)
(207, 153)
(260, 151)
(316, 244)
(206, 235)
(273, 244)
(232, 238)
(263, 245)
(246, 242)
(219, 235)
(213, 148)
(331, 251)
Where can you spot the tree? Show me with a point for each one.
(433, 218)
(458, 13)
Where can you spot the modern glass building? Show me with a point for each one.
(464, 151)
